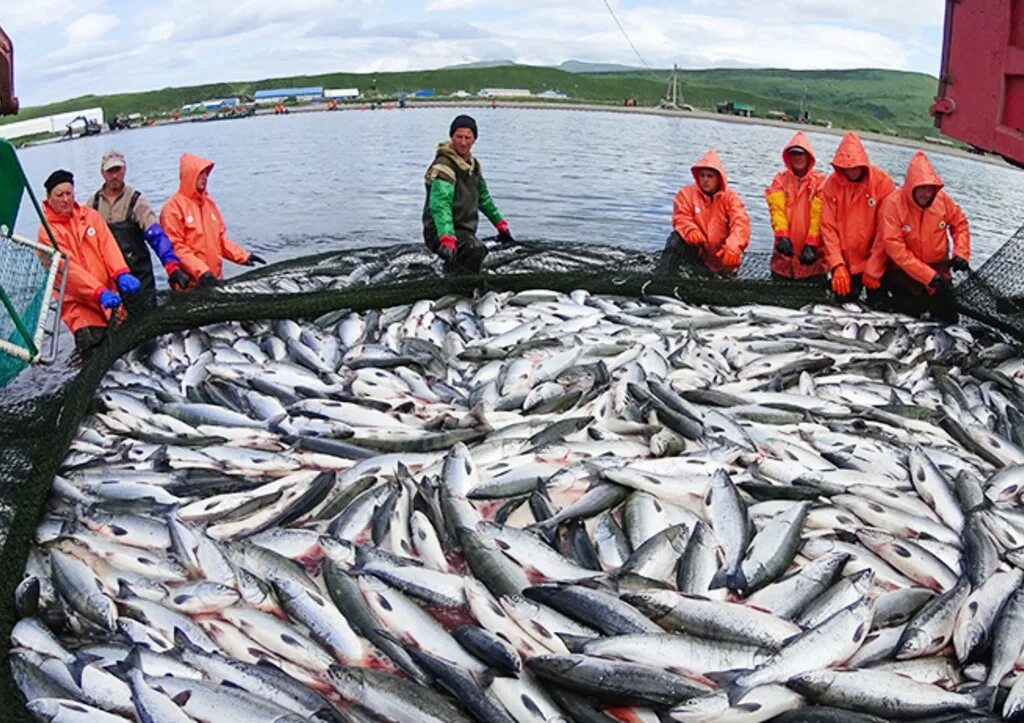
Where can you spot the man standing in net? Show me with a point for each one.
(196, 228)
(134, 224)
(456, 193)
(709, 221)
(97, 275)
(916, 222)
(794, 204)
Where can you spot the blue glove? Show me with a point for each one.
(157, 239)
(110, 300)
(128, 284)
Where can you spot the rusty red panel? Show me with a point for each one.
(981, 88)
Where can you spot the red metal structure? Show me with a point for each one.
(8, 103)
(981, 85)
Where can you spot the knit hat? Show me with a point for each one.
(463, 121)
(56, 178)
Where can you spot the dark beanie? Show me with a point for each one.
(56, 178)
(463, 121)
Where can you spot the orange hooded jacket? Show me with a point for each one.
(94, 263)
(849, 213)
(915, 238)
(713, 221)
(794, 204)
(195, 226)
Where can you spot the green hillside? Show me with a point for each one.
(877, 100)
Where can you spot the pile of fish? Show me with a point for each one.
(539, 507)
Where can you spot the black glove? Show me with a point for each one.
(808, 255)
(784, 245)
(940, 284)
(960, 264)
(178, 280)
(253, 260)
(207, 280)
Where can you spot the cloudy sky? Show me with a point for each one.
(65, 49)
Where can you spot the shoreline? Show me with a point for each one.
(512, 103)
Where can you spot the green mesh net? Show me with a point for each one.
(36, 429)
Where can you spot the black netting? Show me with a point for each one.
(36, 428)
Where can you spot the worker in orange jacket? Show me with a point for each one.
(196, 228)
(851, 197)
(916, 223)
(97, 274)
(710, 224)
(794, 205)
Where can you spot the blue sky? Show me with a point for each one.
(65, 49)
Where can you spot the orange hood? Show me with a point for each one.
(799, 140)
(850, 153)
(712, 161)
(920, 172)
(188, 171)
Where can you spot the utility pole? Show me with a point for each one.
(673, 98)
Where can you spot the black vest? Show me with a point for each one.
(465, 205)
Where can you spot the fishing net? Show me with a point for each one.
(37, 428)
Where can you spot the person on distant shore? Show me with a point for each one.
(916, 222)
(456, 193)
(851, 198)
(196, 228)
(97, 274)
(134, 224)
(794, 204)
(709, 221)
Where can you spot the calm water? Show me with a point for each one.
(308, 182)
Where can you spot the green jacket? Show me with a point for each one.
(456, 193)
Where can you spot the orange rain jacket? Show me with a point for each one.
(94, 263)
(917, 239)
(195, 226)
(714, 221)
(849, 213)
(794, 204)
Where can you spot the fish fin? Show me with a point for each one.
(738, 582)
(76, 669)
(181, 699)
(574, 643)
(984, 696)
(181, 640)
(726, 679)
(719, 580)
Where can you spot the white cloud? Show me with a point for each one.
(89, 27)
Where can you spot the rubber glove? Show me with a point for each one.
(504, 235)
(177, 279)
(109, 300)
(809, 253)
(784, 245)
(840, 281)
(128, 284)
(253, 260)
(960, 264)
(939, 284)
(730, 259)
(446, 249)
(206, 280)
(696, 238)
(871, 283)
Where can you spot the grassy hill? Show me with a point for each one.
(877, 100)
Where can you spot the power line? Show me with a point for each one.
(626, 35)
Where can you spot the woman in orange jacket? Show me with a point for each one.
(851, 197)
(709, 220)
(97, 274)
(794, 204)
(916, 222)
(196, 228)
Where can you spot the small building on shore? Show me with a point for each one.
(279, 95)
(504, 93)
(341, 93)
(553, 95)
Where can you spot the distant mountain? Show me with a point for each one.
(582, 66)
(480, 64)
